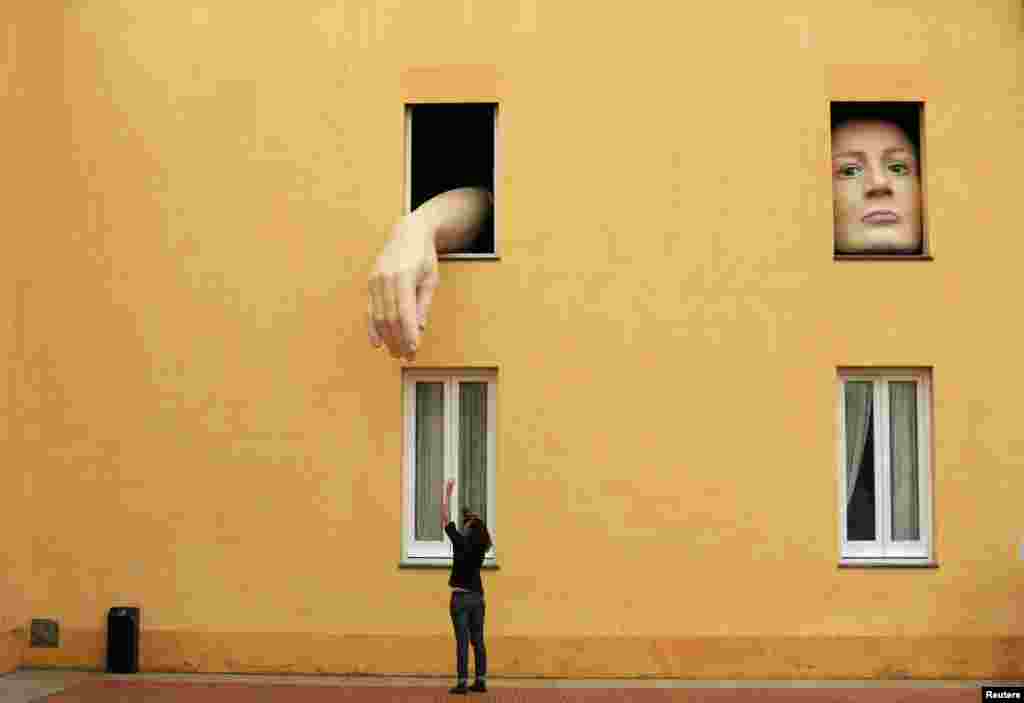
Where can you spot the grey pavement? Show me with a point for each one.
(29, 685)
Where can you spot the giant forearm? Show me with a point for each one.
(454, 218)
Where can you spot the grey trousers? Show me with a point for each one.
(467, 611)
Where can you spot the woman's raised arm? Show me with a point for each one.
(445, 511)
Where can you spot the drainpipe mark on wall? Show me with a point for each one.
(9, 60)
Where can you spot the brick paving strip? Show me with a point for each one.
(118, 691)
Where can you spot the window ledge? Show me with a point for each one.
(468, 257)
(888, 563)
(424, 563)
(882, 257)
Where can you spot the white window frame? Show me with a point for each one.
(883, 550)
(407, 203)
(417, 552)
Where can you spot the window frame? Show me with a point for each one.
(883, 550)
(407, 198)
(422, 553)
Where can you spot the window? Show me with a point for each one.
(884, 460)
(452, 145)
(878, 180)
(449, 433)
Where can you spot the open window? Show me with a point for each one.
(878, 180)
(452, 145)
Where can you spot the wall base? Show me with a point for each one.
(12, 649)
(996, 658)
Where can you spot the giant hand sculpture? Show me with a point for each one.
(405, 276)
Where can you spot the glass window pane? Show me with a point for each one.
(429, 472)
(903, 460)
(473, 447)
(860, 462)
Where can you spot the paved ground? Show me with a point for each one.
(58, 686)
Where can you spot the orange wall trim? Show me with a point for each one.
(697, 658)
(451, 84)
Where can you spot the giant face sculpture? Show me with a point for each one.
(876, 189)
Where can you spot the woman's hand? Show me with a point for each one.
(449, 487)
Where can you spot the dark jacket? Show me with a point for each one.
(466, 562)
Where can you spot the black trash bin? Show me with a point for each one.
(123, 641)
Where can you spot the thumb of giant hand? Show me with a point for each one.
(425, 295)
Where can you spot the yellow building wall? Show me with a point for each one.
(33, 183)
(207, 433)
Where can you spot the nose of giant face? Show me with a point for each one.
(877, 179)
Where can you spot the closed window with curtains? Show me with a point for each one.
(885, 472)
(449, 433)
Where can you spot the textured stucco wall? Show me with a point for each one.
(33, 181)
(211, 437)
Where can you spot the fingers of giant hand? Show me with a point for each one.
(376, 312)
(424, 295)
(395, 343)
(407, 314)
(371, 326)
(382, 313)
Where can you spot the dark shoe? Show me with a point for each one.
(478, 687)
(461, 688)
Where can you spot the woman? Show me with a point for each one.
(467, 604)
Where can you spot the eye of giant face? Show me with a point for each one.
(849, 170)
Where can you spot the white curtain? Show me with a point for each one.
(473, 447)
(858, 419)
(429, 472)
(903, 460)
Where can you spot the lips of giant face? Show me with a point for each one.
(881, 214)
(881, 217)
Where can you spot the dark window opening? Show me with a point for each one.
(906, 115)
(860, 509)
(453, 147)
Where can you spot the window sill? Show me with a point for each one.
(882, 257)
(468, 257)
(888, 564)
(426, 563)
